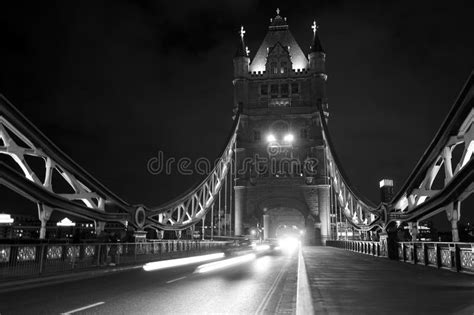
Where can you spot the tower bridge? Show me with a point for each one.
(277, 169)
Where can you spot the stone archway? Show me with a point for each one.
(285, 211)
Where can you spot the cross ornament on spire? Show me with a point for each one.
(314, 27)
(278, 11)
(242, 32)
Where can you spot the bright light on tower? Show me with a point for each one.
(289, 138)
(271, 138)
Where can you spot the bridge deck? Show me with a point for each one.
(344, 282)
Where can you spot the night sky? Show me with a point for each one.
(114, 82)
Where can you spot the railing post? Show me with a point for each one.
(437, 255)
(455, 259)
(42, 257)
(403, 252)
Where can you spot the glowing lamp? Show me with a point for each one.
(289, 138)
(271, 138)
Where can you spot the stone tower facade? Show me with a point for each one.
(282, 179)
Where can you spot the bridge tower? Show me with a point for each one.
(281, 172)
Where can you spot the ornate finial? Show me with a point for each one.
(242, 32)
(247, 50)
(314, 27)
(278, 11)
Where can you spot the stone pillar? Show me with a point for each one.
(266, 226)
(44, 213)
(310, 231)
(324, 206)
(239, 209)
(413, 229)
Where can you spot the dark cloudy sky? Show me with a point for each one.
(114, 82)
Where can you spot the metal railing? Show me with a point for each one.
(446, 255)
(30, 260)
(365, 247)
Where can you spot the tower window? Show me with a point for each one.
(284, 90)
(273, 68)
(304, 133)
(295, 88)
(256, 135)
(263, 89)
(274, 90)
(284, 67)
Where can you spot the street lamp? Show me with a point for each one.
(271, 138)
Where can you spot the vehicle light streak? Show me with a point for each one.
(157, 265)
(225, 263)
(261, 247)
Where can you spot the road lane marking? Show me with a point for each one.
(266, 299)
(304, 301)
(83, 308)
(177, 279)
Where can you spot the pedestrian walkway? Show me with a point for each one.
(344, 282)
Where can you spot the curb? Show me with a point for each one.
(304, 301)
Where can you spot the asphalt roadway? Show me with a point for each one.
(264, 285)
(340, 282)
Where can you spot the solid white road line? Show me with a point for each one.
(266, 299)
(304, 301)
(177, 279)
(83, 308)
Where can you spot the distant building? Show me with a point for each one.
(386, 190)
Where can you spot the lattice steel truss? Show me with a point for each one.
(419, 199)
(193, 205)
(358, 211)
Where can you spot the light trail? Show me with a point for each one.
(157, 265)
(225, 263)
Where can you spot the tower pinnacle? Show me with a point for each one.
(242, 32)
(242, 50)
(314, 27)
(316, 45)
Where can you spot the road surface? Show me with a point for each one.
(264, 285)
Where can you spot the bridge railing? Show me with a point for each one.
(365, 247)
(29, 260)
(445, 255)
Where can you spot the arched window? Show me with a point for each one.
(273, 68)
(284, 67)
(256, 135)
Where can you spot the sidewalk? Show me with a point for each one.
(344, 282)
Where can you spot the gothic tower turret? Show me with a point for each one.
(241, 71)
(317, 55)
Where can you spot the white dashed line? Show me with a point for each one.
(83, 308)
(174, 280)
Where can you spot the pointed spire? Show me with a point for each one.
(316, 45)
(278, 22)
(242, 50)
